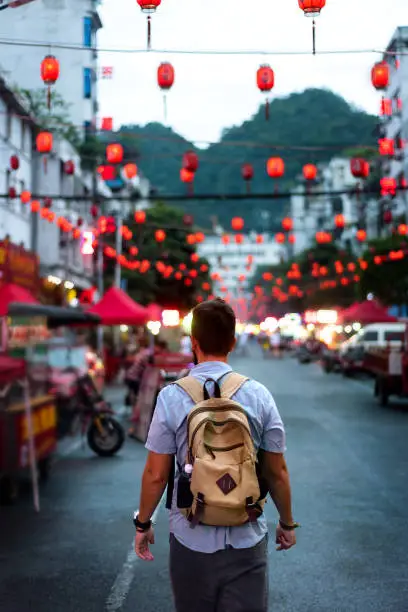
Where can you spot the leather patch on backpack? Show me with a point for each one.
(226, 483)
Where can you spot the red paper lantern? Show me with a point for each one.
(69, 167)
(50, 70)
(186, 176)
(292, 238)
(193, 273)
(140, 217)
(206, 286)
(130, 171)
(361, 235)
(237, 224)
(386, 146)
(403, 229)
(14, 162)
(312, 8)
(239, 239)
(267, 276)
(165, 76)
(114, 153)
(280, 238)
(388, 186)
(94, 211)
(323, 237)
(160, 235)
(178, 276)
(387, 217)
(190, 161)
(247, 172)
(259, 239)
(12, 192)
(204, 268)
(35, 206)
(200, 237)
(380, 75)
(44, 142)
(188, 220)
(265, 80)
(310, 172)
(287, 224)
(275, 167)
(360, 168)
(225, 239)
(339, 221)
(191, 239)
(195, 257)
(25, 197)
(188, 282)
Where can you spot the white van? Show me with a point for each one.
(377, 335)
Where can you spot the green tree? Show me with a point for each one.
(152, 286)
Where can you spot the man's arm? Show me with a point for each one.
(276, 474)
(154, 481)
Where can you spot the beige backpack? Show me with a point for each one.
(224, 482)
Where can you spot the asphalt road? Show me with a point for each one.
(349, 464)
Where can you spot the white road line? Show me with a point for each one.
(121, 587)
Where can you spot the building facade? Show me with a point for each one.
(312, 213)
(71, 23)
(235, 264)
(394, 118)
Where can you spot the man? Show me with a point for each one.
(215, 568)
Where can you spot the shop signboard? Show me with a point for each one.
(19, 266)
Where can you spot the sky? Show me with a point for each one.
(212, 93)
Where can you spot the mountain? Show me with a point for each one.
(308, 127)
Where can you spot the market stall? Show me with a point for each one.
(28, 417)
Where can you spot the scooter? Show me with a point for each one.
(85, 408)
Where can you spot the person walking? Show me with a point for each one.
(229, 441)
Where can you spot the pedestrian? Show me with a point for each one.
(218, 532)
(275, 341)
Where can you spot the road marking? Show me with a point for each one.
(121, 587)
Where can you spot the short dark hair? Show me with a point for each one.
(213, 326)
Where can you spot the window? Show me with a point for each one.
(394, 336)
(370, 336)
(87, 31)
(87, 83)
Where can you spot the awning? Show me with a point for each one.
(10, 294)
(367, 312)
(117, 308)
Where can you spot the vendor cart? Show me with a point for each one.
(166, 369)
(28, 419)
(389, 366)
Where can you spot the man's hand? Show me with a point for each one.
(285, 539)
(142, 541)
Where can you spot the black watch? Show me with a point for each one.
(288, 527)
(139, 525)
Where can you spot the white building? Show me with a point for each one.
(68, 22)
(312, 213)
(16, 137)
(394, 121)
(236, 263)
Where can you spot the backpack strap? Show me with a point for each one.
(192, 387)
(232, 384)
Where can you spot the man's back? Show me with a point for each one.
(168, 434)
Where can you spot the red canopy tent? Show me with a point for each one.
(154, 312)
(13, 294)
(117, 308)
(367, 312)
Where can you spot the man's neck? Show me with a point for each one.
(206, 358)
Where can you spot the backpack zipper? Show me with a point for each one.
(223, 449)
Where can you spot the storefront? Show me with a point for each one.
(19, 267)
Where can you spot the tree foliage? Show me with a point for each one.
(152, 286)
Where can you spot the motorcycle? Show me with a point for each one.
(85, 409)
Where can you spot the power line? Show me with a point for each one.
(214, 52)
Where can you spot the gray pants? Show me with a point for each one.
(231, 580)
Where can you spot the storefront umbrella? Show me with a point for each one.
(117, 308)
(154, 312)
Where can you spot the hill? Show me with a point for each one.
(308, 127)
